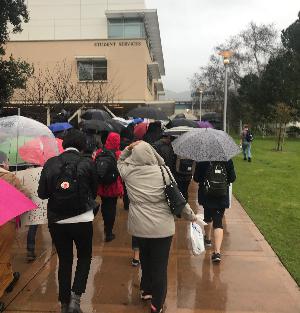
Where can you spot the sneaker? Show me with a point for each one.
(135, 262)
(109, 238)
(207, 242)
(146, 296)
(30, 256)
(216, 257)
(249, 159)
(245, 159)
(74, 306)
(11, 286)
(154, 310)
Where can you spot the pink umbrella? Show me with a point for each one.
(39, 150)
(12, 202)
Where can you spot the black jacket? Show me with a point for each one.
(165, 150)
(87, 181)
(200, 176)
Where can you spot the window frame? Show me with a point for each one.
(93, 62)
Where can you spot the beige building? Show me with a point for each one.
(107, 52)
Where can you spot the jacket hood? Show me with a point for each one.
(144, 154)
(113, 141)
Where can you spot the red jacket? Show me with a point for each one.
(115, 189)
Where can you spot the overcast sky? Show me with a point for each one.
(190, 29)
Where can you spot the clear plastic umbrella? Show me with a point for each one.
(16, 131)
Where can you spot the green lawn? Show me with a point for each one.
(269, 190)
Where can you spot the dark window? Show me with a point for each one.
(92, 70)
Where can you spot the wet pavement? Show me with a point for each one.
(250, 277)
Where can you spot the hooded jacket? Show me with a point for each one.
(149, 214)
(116, 188)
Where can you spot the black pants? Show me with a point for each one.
(154, 256)
(63, 236)
(184, 187)
(108, 210)
(125, 199)
(215, 216)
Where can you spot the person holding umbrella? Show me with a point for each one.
(213, 150)
(8, 278)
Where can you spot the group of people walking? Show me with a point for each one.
(72, 181)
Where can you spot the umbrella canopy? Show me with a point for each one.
(96, 114)
(148, 112)
(116, 125)
(12, 202)
(183, 122)
(16, 130)
(59, 127)
(205, 144)
(204, 124)
(11, 148)
(177, 131)
(38, 150)
(96, 125)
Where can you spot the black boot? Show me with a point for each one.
(249, 159)
(64, 308)
(74, 306)
(11, 286)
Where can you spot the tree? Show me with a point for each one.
(13, 73)
(291, 36)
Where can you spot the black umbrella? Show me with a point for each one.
(180, 115)
(115, 125)
(148, 112)
(96, 125)
(183, 122)
(96, 114)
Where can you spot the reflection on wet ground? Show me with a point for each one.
(249, 279)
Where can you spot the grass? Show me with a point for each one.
(269, 190)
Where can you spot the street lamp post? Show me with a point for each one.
(200, 105)
(226, 54)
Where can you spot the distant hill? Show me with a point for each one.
(177, 96)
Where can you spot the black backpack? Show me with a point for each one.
(106, 166)
(249, 136)
(185, 167)
(67, 190)
(216, 184)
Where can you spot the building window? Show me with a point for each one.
(126, 28)
(149, 80)
(92, 70)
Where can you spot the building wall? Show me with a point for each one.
(126, 60)
(70, 19)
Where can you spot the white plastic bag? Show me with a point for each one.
(196, 238)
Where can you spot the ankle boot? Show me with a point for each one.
(74, 306)
(64, 308)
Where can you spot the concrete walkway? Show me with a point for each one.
(249, 279)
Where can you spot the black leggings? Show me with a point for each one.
(154, 256)
(108, 210)
(215, 216)
(63, 237)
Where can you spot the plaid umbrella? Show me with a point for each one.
(205, 144)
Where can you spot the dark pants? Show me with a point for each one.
(31, 235)
(108, 210)
(184, 187)
(215, 216)
(63, 236)
(125, 199)
(154, 256)
(134, 243)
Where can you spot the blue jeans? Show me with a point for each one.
(31, 237)
(246, 146)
